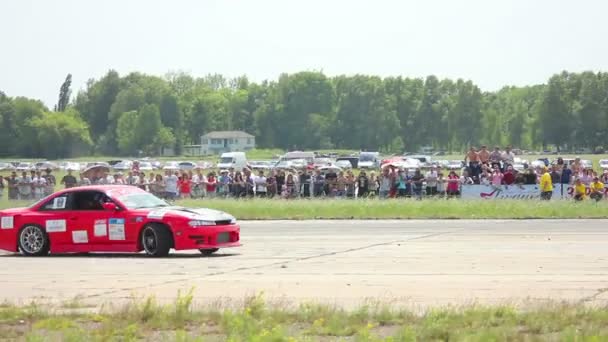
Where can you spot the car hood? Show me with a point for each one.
(190, 213)
(14, 211)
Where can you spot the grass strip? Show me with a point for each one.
(255, 320)
(274, 209)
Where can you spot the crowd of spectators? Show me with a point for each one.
(482, 167)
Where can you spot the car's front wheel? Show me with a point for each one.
(207, 252)
(33, 241)
(156, 240)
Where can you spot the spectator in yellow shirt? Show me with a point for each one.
(546, 185)
(580, 190)
(597, 189)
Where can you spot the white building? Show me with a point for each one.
(226, 141)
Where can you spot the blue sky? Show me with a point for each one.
(493, 43)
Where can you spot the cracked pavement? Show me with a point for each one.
(413, 263)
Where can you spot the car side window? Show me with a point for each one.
(89, 200)
(57, 203)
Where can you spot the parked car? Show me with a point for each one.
(5, 166)
(90, 164)
(369, 160)
(322, 161)
(171, 166)
(71, 166)
(260, 165)
(587, 164)
(145, 166)
(343, 163)
(124, 165)
(205, 164)
(308, 156)
(113, 219)
(424, 159)
(604, 164)
(329, 168)
(354, 161)
(187, 165)
(455, 164)
(46, 165)
(283, 164)
(24, 167)
(406, 163)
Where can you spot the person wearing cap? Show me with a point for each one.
(597, 189)
(580, 190)
(546, 185)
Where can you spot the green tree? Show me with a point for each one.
(64, 94)
(61, 135)
(554, 116)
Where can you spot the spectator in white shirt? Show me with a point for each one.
(199, 184)
(171, 185)
(38, 185)
(260, 184)
(431, 181)
(25, 186)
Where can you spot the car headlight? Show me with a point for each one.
(233, 221)
(199, 223)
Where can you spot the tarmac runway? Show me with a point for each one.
(412, 263)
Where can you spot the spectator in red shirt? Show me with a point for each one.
(185, 186)
(509, 176)
(211, 183)
(453, 184)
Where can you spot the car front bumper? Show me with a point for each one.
(207, 237)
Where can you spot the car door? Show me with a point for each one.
(107, 230)
(90, 223)
(54, 216)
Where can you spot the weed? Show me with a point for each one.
(258, 322)
(75, 303)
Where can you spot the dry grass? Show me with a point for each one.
(255, 320)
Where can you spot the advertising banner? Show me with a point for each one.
(477, 191)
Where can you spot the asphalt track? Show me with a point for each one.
(412, 263)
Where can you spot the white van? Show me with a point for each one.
(236, 160)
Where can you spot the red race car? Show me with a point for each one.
(113, 218)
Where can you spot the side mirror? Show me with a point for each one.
(110, 206)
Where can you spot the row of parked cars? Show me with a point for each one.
(290, 160)
(115, 165)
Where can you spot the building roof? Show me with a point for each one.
(227, 134)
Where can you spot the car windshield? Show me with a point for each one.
(367, 157)
(141, 200)
(226, 160)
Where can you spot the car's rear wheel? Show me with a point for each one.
(209, 251)
(156, 240)
(33, 241)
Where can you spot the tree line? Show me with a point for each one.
(139, 113)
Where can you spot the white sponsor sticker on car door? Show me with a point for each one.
(100, 228)
(55, 226)
(80, 236)
(7, 222)
(116, 228)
